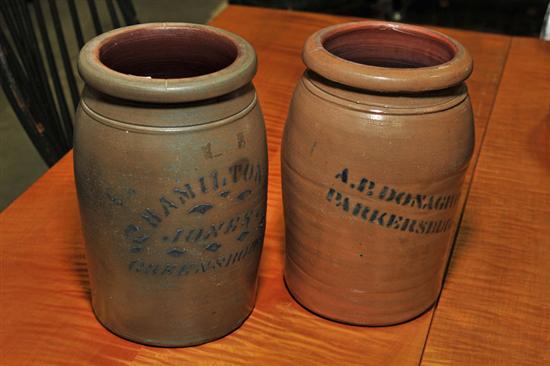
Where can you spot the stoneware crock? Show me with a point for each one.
(171, 173)
(377, 141)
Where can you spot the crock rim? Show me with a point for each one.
(159, 90)
(385, 79)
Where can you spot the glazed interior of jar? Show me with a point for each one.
(168, 53)
(390, 47)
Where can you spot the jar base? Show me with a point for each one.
(364, 323)
(174, 344)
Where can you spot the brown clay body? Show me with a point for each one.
(171, 173)
(376, 145)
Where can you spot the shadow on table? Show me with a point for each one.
(460, 242)
(540, 136)
(79, 268)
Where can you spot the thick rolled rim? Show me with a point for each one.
(159, 90)
(386, 79)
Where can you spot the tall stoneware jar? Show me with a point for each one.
(378, 138)
(171, 173)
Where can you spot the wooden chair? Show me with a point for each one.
(30, 75)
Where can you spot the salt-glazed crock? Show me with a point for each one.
(171, 173)
(376, 145)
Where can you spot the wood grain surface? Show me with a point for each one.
(495, 306)
(45, 312)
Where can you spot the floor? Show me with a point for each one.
(20, 164)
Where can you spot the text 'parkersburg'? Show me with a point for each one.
(388, 220)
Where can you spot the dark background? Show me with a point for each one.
(514, 17)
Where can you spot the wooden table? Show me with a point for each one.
(495, 305)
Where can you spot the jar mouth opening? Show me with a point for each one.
(168, 53)
(387, 57)
(167, 62)
(390, 47)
